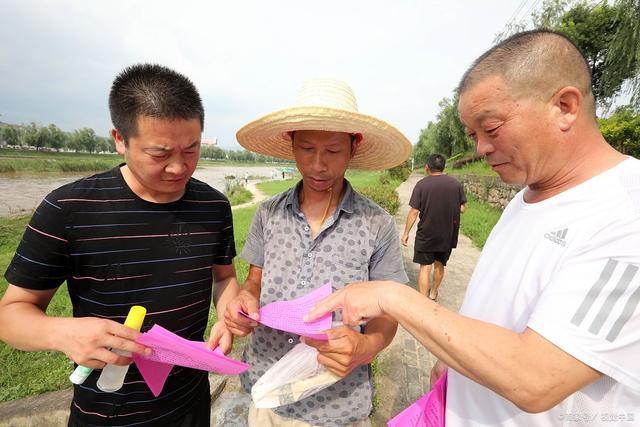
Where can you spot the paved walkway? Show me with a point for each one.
(403, 366)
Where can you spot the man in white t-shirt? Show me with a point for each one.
(549, 331)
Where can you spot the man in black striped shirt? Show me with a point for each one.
(144, 233)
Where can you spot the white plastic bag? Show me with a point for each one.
(295, 376)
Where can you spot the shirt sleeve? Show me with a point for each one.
(42, 260)
(590, 307)
(253, 251)
(226, 250)
(387, 262)
(414, 201)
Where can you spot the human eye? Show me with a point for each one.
(493, 130)
(157, 154)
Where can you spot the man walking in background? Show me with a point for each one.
(439, 200)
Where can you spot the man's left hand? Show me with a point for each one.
(220, 336)
(345, 350)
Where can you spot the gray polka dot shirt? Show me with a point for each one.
(358, 243)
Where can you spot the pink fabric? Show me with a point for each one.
(428, 411)
(287, 315)
(170, 349)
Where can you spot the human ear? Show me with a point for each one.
(568, 102)
(121, 145)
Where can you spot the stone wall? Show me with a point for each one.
(489, 189)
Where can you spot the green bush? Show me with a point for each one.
(400, 172)
(383, 195)
(384, 179)
(237, 195)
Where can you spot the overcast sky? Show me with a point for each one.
(247, 58)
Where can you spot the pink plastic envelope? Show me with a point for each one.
(170, 349)
(428, 411)
(287, 315)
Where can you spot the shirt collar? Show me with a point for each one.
(346, 204)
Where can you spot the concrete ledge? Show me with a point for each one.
(52, 409)
(48, 409)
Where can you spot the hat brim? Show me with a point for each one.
(382, 147)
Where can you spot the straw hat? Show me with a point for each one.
(329, 105)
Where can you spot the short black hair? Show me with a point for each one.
(536, 62)
(436, 162)
(152, 90)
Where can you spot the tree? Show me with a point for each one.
(608, 35)
(30, 135)
(593, 30)
(10, 135)
(623, 57)
(84, 139)
(622, 130)
(55, 138)
(446, 136)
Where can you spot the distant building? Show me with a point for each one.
(209, 141)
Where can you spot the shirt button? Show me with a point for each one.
(290, 340)
(306, 228)
(309, 254)
(303, 282)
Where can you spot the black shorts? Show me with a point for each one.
(427, 258)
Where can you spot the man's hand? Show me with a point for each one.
(237, 323)
(359, 302)
(405, 239)
(87, 340)
(437, 371)
(220, 336)
(345, 350)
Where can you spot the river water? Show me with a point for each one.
(22, 192)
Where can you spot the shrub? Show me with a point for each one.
(237, 195)
(400, 172)
(383, 195)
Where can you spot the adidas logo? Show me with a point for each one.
(557, 237)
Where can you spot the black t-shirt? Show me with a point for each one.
(438, 198)
(116, 250)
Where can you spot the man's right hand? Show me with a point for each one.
(405, 239)
(437, 371)
(238, 324)
(88, 340)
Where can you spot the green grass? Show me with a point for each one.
(29, 373)
(478, 220)
(238, 195)
(479, 167)
(271, 188)
(39, 161)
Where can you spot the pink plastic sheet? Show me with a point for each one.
(170, 349)
(287, 315)
(428, 411)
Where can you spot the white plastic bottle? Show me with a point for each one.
(112, 376)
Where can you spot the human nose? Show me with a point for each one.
(318, 161)
(176, 166)
(484, 146)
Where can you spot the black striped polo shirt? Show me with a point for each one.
(116, 250)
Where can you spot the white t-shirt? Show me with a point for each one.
(566, 267)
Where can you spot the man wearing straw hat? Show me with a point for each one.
(319, 231)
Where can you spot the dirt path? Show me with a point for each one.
(258, 196)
